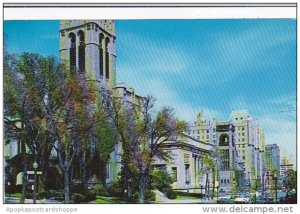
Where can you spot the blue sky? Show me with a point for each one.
(214, 65)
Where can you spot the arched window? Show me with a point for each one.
(106, 58)
(72, 47)
(101, 54)
(81, 51)
(224, 140)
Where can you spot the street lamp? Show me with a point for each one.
(275, 179)
(8, 184)
(35, 166)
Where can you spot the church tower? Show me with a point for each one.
(90, 46)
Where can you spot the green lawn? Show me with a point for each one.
(108, 200)
(181, 197)
(13, 195)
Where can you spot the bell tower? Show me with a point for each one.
(90, 46)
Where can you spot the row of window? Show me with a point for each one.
(103, 54)
(224, 181)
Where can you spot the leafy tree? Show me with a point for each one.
(142, 132)
(290, 180)
(47, 106)
(209, 168)
(23, 109)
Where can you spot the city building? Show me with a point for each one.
(186, 164)
(272, 163)
(250, 141)
(285, 165)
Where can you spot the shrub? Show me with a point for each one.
(78, 188)
(115, 189)
(192, 194)
(90, 196)
(41, 195)
(59, 195)
(170, 193)
(99, 189)
(161, 179)
(78, 198)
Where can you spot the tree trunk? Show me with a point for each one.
(24, 179)
(142, 184)
(24, 183)
(213, 190)
(206, 184)
(67, 185)
(84, 178)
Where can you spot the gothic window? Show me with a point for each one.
(72, 50)
(107, 171)
(106, 58)
(101, 53)
(81, 51)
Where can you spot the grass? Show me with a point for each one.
(181, 197)
(13, 195)
(108, 200)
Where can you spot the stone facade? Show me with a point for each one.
(92, 44)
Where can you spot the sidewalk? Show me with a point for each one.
(12, 200)
(187, 201)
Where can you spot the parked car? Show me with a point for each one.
(225, 200)
(242, 200)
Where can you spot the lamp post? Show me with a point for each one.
(275, 179)
(35, 166)
(8, 184)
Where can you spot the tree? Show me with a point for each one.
(209, 167)
(142, 134)
(290, 180)
(47, 106)
(23, 109)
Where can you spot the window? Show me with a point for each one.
(224, 140)
(101, 39)
(81, 51)
(221, 181)
(224, 153)
(174, 173)
(207, 131)
(72, 53)
(243, 157)
(243, 139)
(187, 173)
(88, 27)
(106, 58)
(228, 181)
(107, 170)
